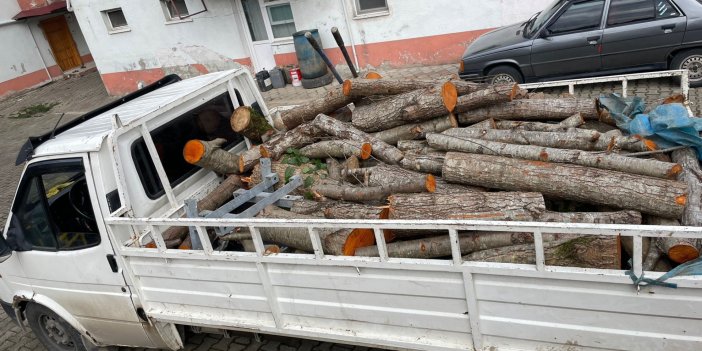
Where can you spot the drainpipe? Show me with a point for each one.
(348, 28)
(39, 52)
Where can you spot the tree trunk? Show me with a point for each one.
(334, 169)
(337, 149)
(173, 236)
(365, 194)
(665, 198)
(209, 155)
(679, 250)
(690, 174)
(533, 110)
(382, 150)
(619, 217)
(486, 124)
(574, 121)
(370, 87)
(586, 252)
(446, 188)
(327, 104)
(401, 180)
(303, 135)
(492, 95)
(311, 208)
(576, 139)
(249, 158)
(432, 163)
(502, 206)
(652, 258)
(416, 130)
(647, 167)
(249, 123)
(417, 147)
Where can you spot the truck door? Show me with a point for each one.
(66, 254)
(641, 33)
(570, 44)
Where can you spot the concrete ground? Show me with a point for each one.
(76, 96)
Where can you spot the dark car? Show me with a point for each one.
(584, 38)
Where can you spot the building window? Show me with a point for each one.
(281, 19)
(115, 20)
(368, 7)
(175, 9)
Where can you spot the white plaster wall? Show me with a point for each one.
(19, 56)
(212, 39)
(77, 34)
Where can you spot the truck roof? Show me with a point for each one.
(89, 135)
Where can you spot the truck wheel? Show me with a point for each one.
(504, 75)
(691, 61)
(53, 332)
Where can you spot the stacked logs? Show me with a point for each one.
(432, 150)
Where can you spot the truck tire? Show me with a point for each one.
(53, 332)
(690, 60)
(504, 75)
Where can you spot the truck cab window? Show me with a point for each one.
(208, 122)
(53, 208)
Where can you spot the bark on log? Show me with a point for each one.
(486, 124)
(401, 180)
(574, 121)
(311, 208)
(417, 147)
(302, 135)
(678, 250)
(432, 163)
(690, 175)
(492, 95)
(416, 130)
(576, 139)
(334, 169)
(386, 114)
(502, 206)
(364, 194)
(618, 217)
(346, 210)
(249, 123)
(533, 110)
(337, 149)
(309, 174)
(210, 155)
(381, 150)
(665, 198)
(249, 158)
(371, 87)
(446, 188)
(585, 252)
(647, 167)
(652, 258)
(327, 104)
(218, 197)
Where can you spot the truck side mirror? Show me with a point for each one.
(5, 250)
(16, 240)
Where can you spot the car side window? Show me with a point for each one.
(630, 11)
(53, 209)
(580, 16)
(664, 9)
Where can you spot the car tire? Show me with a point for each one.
(53, 332)
(504, 75)
(692, 61)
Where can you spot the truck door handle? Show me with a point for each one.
(113, 263)
(593, 40)
(668, 28)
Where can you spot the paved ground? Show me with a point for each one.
(79, 95)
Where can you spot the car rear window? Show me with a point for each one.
(632, 11)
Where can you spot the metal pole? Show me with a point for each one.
(342, 46)
(324, 56)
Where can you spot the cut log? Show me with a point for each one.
(308, 172)
(249, 123)
(652, 258)
(618, 217)
(381, 150)
(366, 87)
(337, 149)
(502, 206)
(302, 135)
(416, 130)
(576, 139)
(358, 175)
(432, 163)
(647, 167)
(665, 198)
(311, 208)
(486, 124)
(574, 121)
(373, 75)
(678, 250)
(533, 110)
(327, 104)
(401, 180)
(444, 187)
(210, 155)
(378, 116)
(492, 95)
(345, 210)
(691, 173)
(173, 236)
(334, 169)
(249, 158)
(417, 147)
(365, 194)
(440, 246)
(586, 252)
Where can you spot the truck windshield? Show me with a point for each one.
(535, 24)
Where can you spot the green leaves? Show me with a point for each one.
(289, 173)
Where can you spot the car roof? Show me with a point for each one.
(89, 135)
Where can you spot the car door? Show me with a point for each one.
(641, 34)
(66, 254)
(570, 44)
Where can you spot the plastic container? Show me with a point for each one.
(286, 71)
(277, 78)
(296, 77)
(263, 79)
(311, 64)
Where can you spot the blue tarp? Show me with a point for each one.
(667, 125)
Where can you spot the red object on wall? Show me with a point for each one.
(29, 11)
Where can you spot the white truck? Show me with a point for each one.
(75, 266)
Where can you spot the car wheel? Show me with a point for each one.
(692, 62)
(54, 332)
(504, 75)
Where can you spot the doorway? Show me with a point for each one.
(61, 42)
(261, 44)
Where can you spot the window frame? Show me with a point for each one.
(655, 18)
(32, 174)
(111, 29)
(360, 13)
(268, 20)
(170, 18)
(562, 11)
